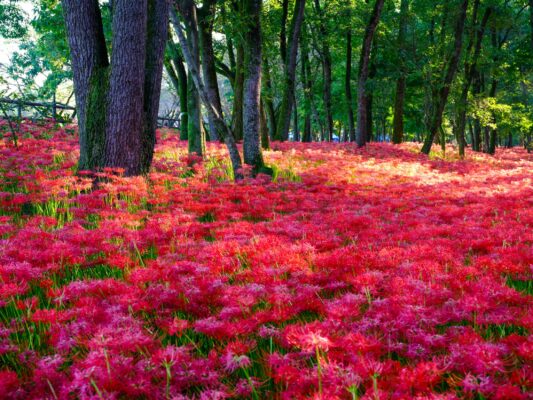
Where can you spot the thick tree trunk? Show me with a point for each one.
(157, 34)
(326, 66)
(125, 122)
(446, 84)
(205, 24)
(397, 133)
(252, 87)
(88, 52)
(362, 127)
(282, 131)
(348, 86)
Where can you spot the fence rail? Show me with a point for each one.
(57, 109)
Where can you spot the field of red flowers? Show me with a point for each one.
(354, 274)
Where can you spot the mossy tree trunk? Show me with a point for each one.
(117, 102)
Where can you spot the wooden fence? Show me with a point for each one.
(57, 111)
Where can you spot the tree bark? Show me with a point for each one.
(238, 94)
(282, 131)
(178, 76)
(446, 84)
(125, 124)
(362, 127)
(307, 84)
(205, 23)
(195, 131)
(157, 34)
(217, 115)
(283, 30)
(267, 99)
(348, 86)
(83, 23)
(252, 87)
(397, 133)
(469, 71)
(326, 66)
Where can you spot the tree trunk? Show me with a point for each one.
(469, 71)
(283, 30)
(295, 127)
(252, 87)
(442, 96)
(205, 25)
(362, 127)
(267, 99)
(348, 86)
(157, 34)
(369, 99)
(195, 131)
(490, 147)
(265, 137)
(238, 93)
(282, 131)
(326, 66)
(217, 115)
(531, 21)
(397, 134)
(125, 124)
(307, 84)
(178, 75)
(88, 52)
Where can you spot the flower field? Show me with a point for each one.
(354, 274)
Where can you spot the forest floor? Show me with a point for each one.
(373, 273)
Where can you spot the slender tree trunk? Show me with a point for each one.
(157, 34)
(123, 146)
(283, 31)
(295, 127)
(252, 87)
(348, 86)
(282, 131)
(369, 99)
(265, 137)
(205, 24)
(178, 75)
(88, 52)
(307, 84)
(238, 93)
(490, 147)
(222, 128)
(450, 74)
(267, 99)
(531, 20)
(362, 127)
(397, 134)
(326, 66)
(470, 68)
